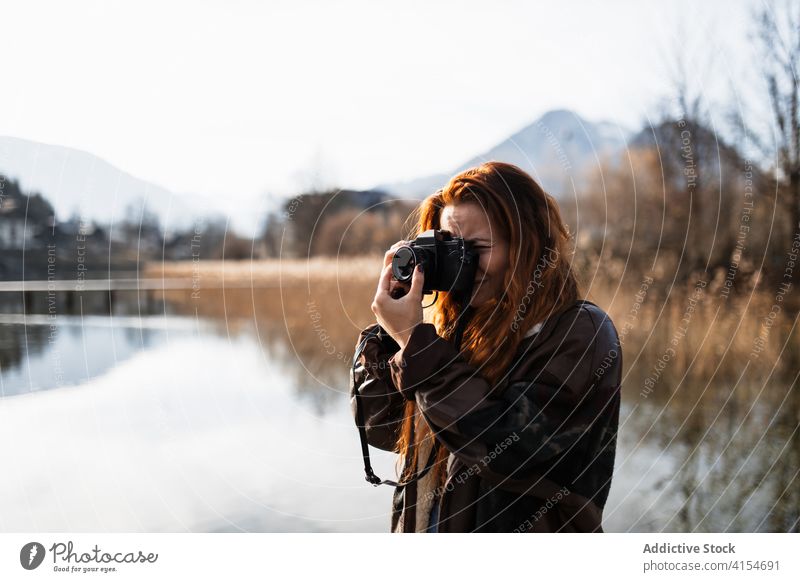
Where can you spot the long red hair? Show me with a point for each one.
(539, 283)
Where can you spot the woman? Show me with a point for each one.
(525, 409)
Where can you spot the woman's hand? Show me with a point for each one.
(398, 316)
(396, 288)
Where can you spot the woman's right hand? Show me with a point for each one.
(396, 288)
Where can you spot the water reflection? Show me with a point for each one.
(709, 458)
(179, 424)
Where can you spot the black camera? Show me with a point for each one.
(448, 262)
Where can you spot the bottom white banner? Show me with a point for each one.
(264, 556)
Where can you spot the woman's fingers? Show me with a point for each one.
(383, 289)
(384, 284)
(417, 282)
(387, 285)
(387, 258)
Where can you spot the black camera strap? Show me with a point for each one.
(362, 432)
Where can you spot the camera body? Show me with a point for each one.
(449, 263)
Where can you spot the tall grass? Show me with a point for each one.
(711, 334)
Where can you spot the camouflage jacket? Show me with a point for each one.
(534, 453)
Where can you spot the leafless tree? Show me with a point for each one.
(778, 32)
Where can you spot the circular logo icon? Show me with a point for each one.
(31, 555)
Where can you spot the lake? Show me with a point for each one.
(168, 415)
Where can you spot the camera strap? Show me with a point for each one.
(362, 433)
(371, 477)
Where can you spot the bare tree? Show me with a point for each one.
(779, 35)
(700, 169)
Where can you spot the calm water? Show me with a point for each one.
(171, 423)
(146, 420)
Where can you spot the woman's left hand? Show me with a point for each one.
(399, 316)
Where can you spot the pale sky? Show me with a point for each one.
(247, 98)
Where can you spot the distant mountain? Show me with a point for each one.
(560, 150)
(77, 182)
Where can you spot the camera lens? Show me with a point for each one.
(403, 264)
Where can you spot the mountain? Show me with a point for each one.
(77, 182)
(560, 150)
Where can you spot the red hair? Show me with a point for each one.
(539, 282)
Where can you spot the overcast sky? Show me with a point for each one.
(244, 98)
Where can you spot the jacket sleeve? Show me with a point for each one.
(382, 404)
(507, 433)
